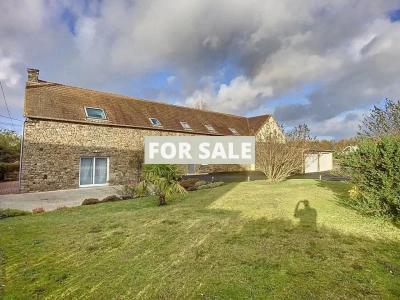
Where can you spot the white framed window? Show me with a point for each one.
(155, 122)
(95, 113)
(234, 131)
(186, 126)
(210, 128)
(93, 171)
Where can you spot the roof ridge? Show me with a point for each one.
(264, 115)
(140, 99)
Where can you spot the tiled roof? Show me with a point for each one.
(255, 123)
(54, 101)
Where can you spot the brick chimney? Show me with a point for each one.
(33, 75)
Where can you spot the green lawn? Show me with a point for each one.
(237, 241)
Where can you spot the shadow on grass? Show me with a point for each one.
(206, 196)
(223, 255)
(302, 261)
(196, 251)
(307, 215)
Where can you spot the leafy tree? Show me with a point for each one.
(161, 180)
(374, 170)
(9, 152)
(383, 121)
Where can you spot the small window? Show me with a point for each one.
(186, 126)
(95, 113)
(155, 122)
(210, 128)
(234, 131)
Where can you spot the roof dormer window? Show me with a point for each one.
(186, 126)
(210, 128)
(155, 122)
(95, 113)
(234, 131)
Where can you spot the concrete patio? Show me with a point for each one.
(55, 199)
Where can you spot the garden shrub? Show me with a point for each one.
(200, 182)
(38, 210)
(8, 213)
(375, 172)
(189, 183)
(127, 197)
(161, 180)
(128, 191)
(9, 154)
(90, 201)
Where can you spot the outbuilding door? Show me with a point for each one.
(311, 163)
(318, 162)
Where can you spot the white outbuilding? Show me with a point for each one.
(318, 161)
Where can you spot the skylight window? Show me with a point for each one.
(155, 122)
(95, 113)
(210, 128)
(234, 131)
(186, 126)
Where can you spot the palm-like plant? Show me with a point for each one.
(161, 180)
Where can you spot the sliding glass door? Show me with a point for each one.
(93, 171)
(86, 171)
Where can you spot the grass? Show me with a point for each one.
(236, 241)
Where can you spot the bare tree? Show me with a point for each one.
(278, 158)
(300, 132)
(383, 121)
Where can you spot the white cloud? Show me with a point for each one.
(236, 97)
(345, 126)
(348, 47)
(85, 35)
(8, 73)
(364, 78)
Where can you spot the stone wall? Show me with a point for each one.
(271, 127)
(52, 152)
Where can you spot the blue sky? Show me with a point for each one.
(394, 15)
(324, 64)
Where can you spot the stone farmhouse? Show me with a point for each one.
(75, 137)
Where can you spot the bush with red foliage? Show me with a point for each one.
(189, 183)
(38, 210)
